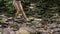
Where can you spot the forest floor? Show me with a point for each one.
(34, 26)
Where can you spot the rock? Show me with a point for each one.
(0, 25)
(28, 29)
(30, 18)
(58, 25)
(8, 30)
(41, 30)
(10, 18)
(22, 32)
(4, 18)
(53, 25)
(44, 33)
(1, 29)
(56, 29)
(38, 25)
(23, 25)
(12, 22)
(38, 20)
(1, 32)
(56, 33)
(12, 32)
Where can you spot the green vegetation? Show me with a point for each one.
(48, 9)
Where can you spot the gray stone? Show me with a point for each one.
(53, 25)
(56, 33)
(28, 29)
(58, 25)
(56, 29)
(44, 33)
(1, 29)
(11, 31)
(7, 30)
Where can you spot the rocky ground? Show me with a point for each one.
(34, 26)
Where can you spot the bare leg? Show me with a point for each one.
(18, 7)
(23, 13)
